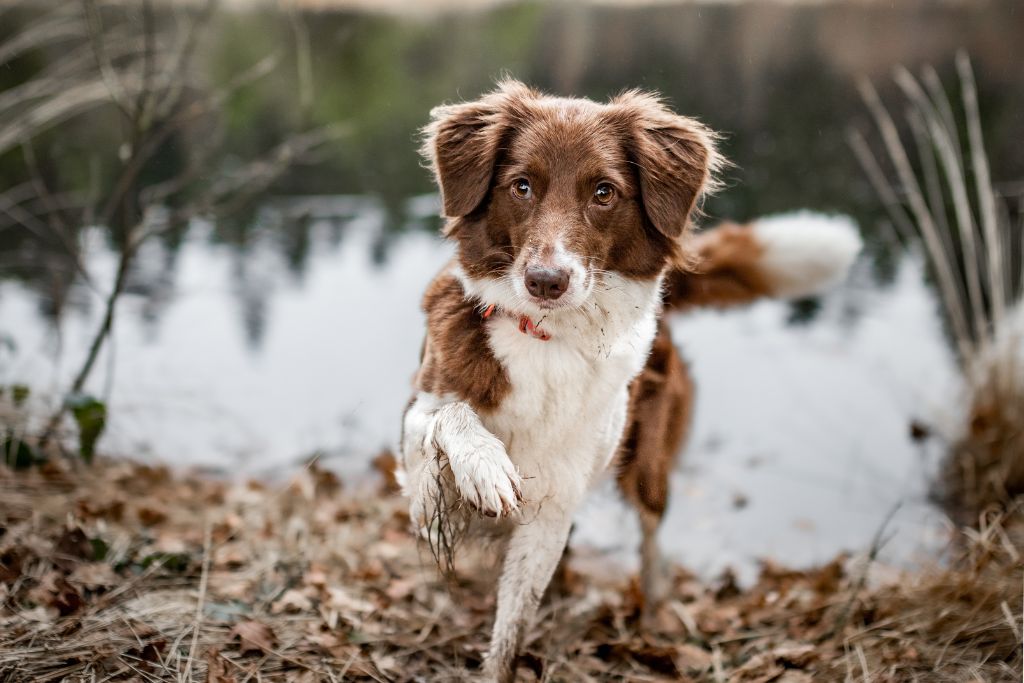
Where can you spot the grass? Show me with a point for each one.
(939, 193)
(122, 571)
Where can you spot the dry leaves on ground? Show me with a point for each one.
(127, 572)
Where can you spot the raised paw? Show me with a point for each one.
(486, 477)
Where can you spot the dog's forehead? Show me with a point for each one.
(568, 132)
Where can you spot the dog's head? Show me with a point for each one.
(546, 196)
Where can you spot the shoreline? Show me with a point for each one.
(132, 570)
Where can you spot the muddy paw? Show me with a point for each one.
(486, 478)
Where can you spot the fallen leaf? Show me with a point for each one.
(292, 601)
(151, 516)
(40, 615)
(11, 562)
(54, 591)
(387, 465)
(692, 659)
(105, 509)
(254, 637)
(94, 575)
(340, 599)
(75, 544)
(230, 556)
(218, 670)
(794, 676)
(401, 588)
(315, 577)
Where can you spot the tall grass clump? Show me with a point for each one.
(935, 182)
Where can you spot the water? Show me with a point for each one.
(248, 343)
(800, 445)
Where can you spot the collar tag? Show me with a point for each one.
(526, 325)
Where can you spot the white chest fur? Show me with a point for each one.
(566, 411)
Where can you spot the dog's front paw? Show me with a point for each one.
(486, 477)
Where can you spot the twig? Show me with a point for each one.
(877, 542)
(203, 580)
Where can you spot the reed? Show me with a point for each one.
(939, 192)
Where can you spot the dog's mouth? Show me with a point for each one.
(548, 305)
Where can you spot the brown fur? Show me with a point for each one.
(456, 358)
(659, 164)
(657, 161)
(725, 271)
(661, 402)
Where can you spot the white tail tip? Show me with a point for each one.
(805, 253)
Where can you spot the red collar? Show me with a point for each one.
(526, 326)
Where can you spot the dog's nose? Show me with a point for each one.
(546, 283)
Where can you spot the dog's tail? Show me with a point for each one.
(789, 256)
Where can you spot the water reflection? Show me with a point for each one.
(237, 363)
(250, 341)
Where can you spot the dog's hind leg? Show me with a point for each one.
(531, 557)
(661, 400)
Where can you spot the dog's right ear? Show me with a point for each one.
(461, 143)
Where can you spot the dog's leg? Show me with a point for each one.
(484, 474)
(661, 399)
(436, 433)
(654, 578)
(530, 560)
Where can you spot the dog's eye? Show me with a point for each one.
(604, 194)
(521, 188)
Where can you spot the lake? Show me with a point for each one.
(248, 343)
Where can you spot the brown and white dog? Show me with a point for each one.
(546, 360)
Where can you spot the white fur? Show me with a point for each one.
(560, 426)
(806, 252)
(509, 291)
(448, 428)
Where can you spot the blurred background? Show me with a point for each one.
(215, 231)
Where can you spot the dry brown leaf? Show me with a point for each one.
(73, 543)
(94, 575)
(387, 465)
(218, 670)
(315, 577)
(795, 655)
(230, 556)
(794, 676)
(54, 591)
(291, 602)
(692, 659)
(150, 515)
(340, 599)
(402, 588)
(101, 509)
(254, 637)
(40, 615)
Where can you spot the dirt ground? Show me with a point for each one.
(122, 571)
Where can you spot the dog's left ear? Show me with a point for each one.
(675, 157)
(461, 143)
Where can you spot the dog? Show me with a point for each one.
(547, 360)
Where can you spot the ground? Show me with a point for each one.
(121, 571)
